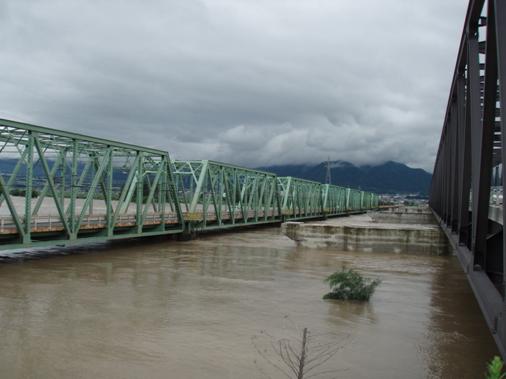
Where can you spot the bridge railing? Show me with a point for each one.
(471, 146)
(53, 223)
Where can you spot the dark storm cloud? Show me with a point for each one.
(251, 82)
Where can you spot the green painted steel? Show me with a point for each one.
(300, 198)
(60, 188)
(354, 200)
(214, 194)
(334, 200)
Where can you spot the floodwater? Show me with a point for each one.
(213, 308)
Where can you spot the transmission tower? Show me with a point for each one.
(328, 177)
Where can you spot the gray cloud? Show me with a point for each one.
(252, 82)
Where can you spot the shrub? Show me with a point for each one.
(350, 285)
(22, 192)
(494, 369)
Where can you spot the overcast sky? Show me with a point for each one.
(252, 82)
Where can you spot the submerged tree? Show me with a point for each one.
(348, 284)
(298, 358)
(495, 369)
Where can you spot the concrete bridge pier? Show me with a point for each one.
(410, 230)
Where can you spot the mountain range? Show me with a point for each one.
(389, 177)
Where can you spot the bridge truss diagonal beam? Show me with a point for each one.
(217, 195)
(62, 188)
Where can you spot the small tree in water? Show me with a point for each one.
(350, 285)
(297, 358)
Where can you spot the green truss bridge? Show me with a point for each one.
(60, 188)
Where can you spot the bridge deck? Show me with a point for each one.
(44, 225)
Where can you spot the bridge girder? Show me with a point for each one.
(470, 146)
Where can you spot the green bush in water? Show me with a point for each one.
(350, 285)
(494, 369)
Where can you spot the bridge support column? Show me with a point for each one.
(189, 233)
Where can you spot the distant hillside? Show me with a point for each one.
(7, 166)
(389, 177)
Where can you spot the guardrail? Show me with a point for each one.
(52, 223)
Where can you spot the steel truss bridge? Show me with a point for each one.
(467, 185)
(60, 188)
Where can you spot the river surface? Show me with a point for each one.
(210, 308)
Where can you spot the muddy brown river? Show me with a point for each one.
(209, 308)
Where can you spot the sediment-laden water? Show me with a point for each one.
(205, 308)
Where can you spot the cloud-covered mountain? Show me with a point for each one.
(389, 177)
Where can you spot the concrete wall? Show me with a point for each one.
(408, 239)
(400, 217)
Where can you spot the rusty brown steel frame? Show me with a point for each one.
(470, 146)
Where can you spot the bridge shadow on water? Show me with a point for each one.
(457, 327)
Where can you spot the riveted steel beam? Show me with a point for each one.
(471, 144)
